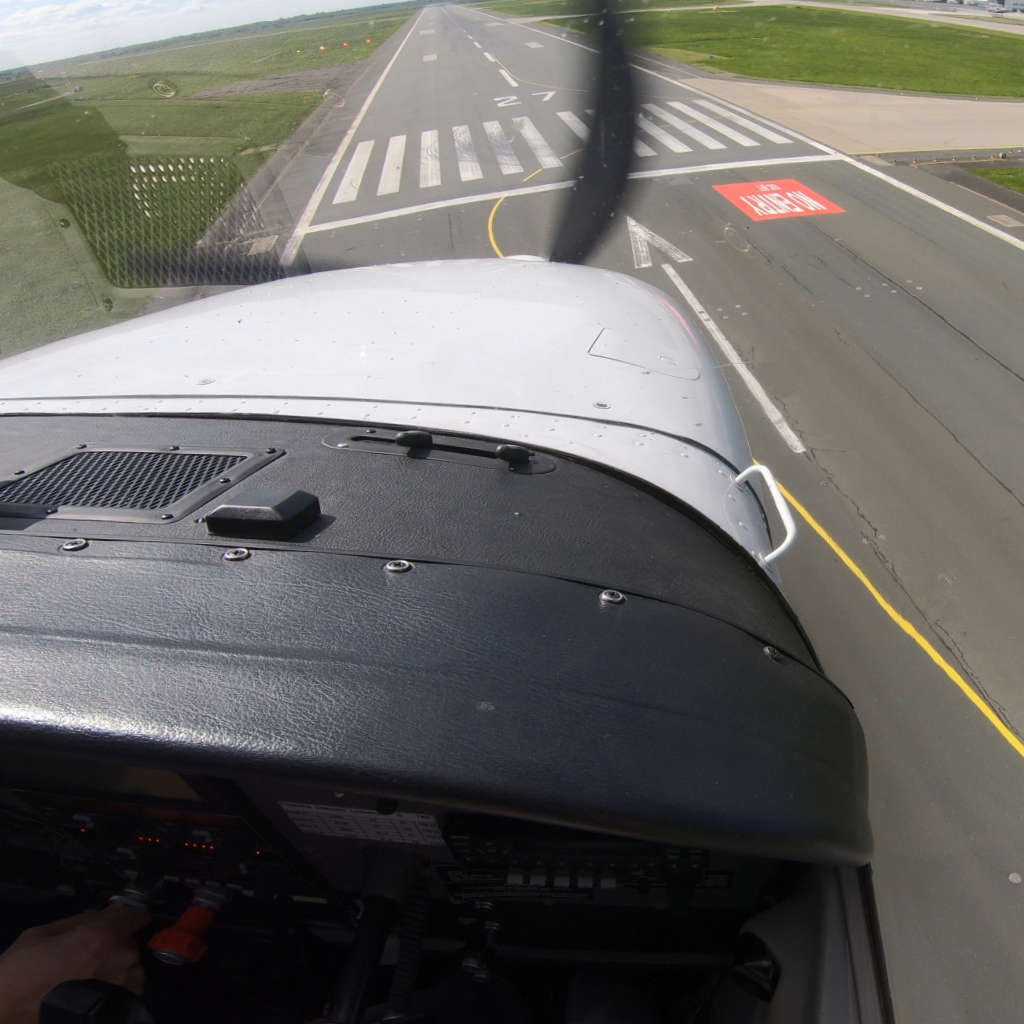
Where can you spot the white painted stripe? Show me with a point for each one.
(781, 161)
(574, 124)
(441, 204)
(533, 45)
(429, 58)
(580, 129)
(770, 409)
(722, 129)
(476, 44)
(465, 154)
(660, 135)
(745, 122)
(508, 163)
(528, 190)
(430, 160)
(533, 138)
(426, 31)
(291, 250)
(508, 78)
(687, 129)
(353, 176)
(1017, 243)
(490, 57)
(391, 174)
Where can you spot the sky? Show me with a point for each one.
(36, 31)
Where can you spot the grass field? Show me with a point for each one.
(241, 54)
(800, 44)
(530, 8)
(1008, 177)
(138, 99)
(124, 89)
(66, 133)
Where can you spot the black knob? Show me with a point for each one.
(513, 454)
(93, 1002)
(414, 439)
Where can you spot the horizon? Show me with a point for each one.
(35, 34)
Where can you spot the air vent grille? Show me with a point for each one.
(126, 484)
(133, 480)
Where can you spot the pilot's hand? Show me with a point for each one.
(97, 944)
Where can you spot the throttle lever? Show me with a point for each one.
(91, 1001)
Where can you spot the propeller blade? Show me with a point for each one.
(603, 169)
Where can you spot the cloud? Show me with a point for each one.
(33, 32)
(48, 31)
(68, 16)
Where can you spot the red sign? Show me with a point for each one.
(773, 200)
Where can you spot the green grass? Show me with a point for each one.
(838, 48)
(34, 136)
(52, 297)
(67, 138)
(238, 56)
(86, 106)
(1008, 177)
(537, 8)
(121, 87)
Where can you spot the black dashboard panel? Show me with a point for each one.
(490, 676)
(478, 688)
(454, 503)
(102, 827)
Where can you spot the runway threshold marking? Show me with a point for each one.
(291, 249)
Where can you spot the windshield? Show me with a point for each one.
(832, 194)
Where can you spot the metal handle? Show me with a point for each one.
(780, 506)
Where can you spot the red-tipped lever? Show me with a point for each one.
(184, 942)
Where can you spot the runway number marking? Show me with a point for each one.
(515, 101)
(775, 200)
